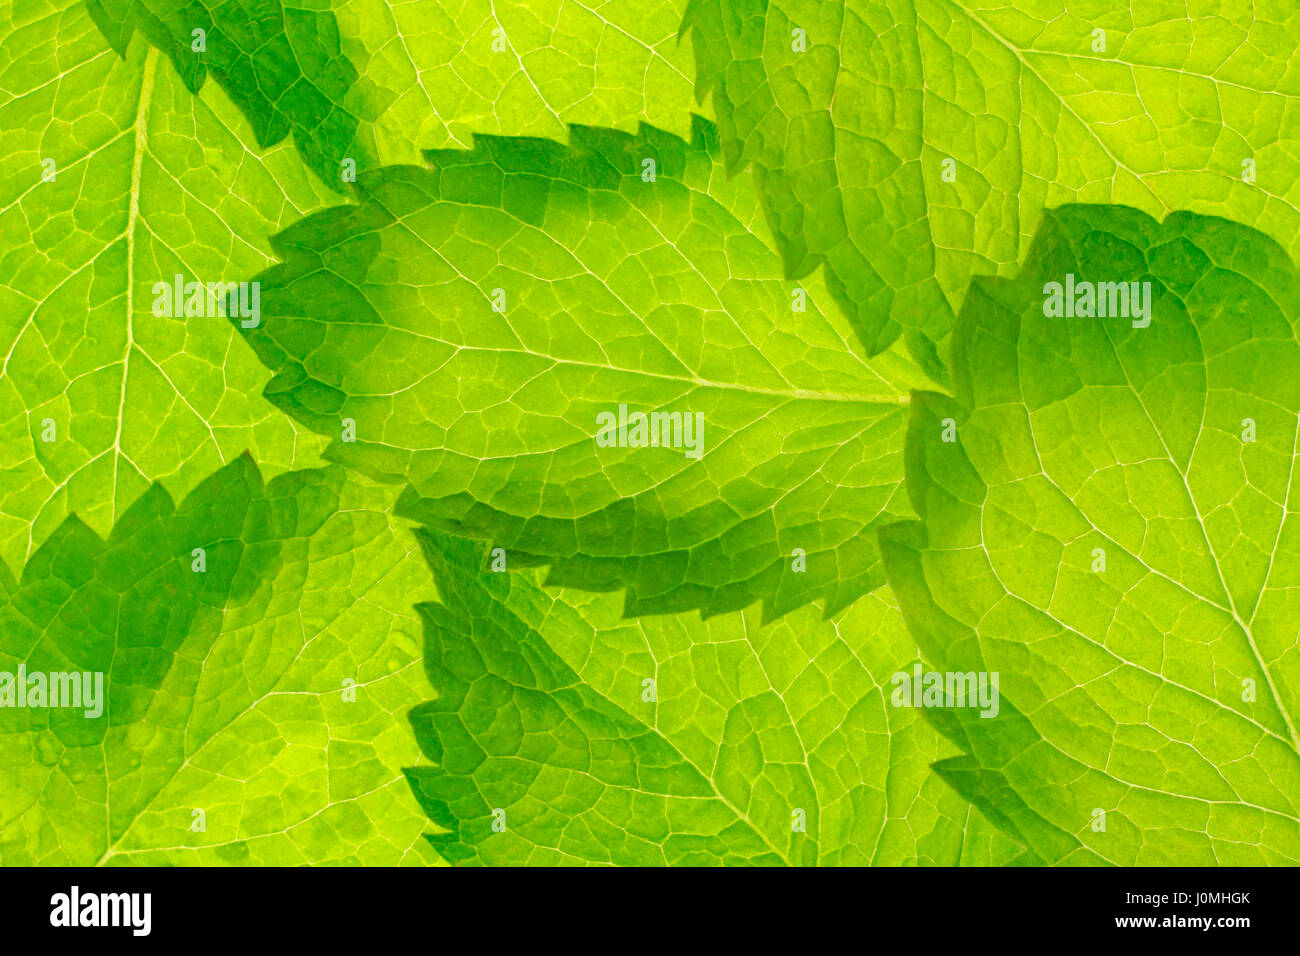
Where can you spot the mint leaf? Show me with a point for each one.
(99, 397)
(225, 684)
(748, 745)
(362, 83)
(1113, 532)
(383, 328)
(911, 144)
(436, 75)
(280, 63)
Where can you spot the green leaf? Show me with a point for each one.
(1114, 533)
(374, 83)
(149, 182)
(225, 689)
(613, 290)
(851, 133)
(434, 75)
(552, 748)
(280, 63)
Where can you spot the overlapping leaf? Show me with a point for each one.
(279, 62)
(374, 83)
(438, 74)
(1114, 532)
(563, 733)
(99, 397)
(465, 327)
(263, 681)
(909, 144)
(1111, 528)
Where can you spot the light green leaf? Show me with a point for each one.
(279, 62)
(750, 744)
(369, 83)
(148, 182)
(465, 327)
(850, 112)
(225, 686)
(1113, 531)
(438, 74)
